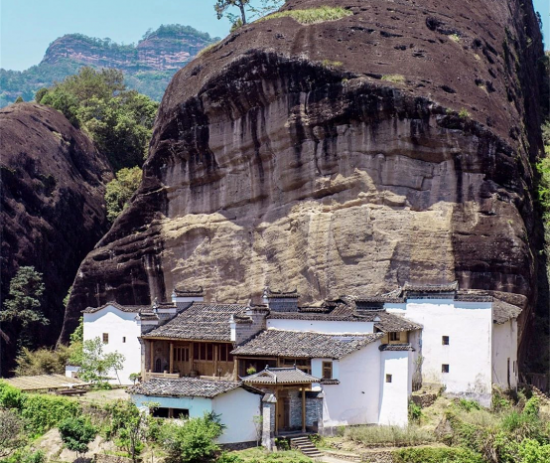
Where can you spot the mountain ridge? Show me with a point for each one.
(148, 65)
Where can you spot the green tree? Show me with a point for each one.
(19, 99)
(11, 432)
(42, 361)
(119, 191)
(193, 442)
(96, 364)
(76, 433)
(24, 306)
(222, 6)
(76, 344)
(40, 93)
(131, 428)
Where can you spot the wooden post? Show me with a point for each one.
(236, 369)
(191, 356)
(303, 409)
(215, 348)
(152, 357)
(171, 357)
(276, 411)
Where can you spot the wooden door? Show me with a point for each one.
(283, 413)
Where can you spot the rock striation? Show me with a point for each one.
(52, 206)
(342, 157)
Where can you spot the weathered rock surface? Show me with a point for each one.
(52, 205)
(342, 157)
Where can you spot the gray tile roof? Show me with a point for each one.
(183, 387)
(201, 320)
(281, 294)
(280, 376)
(431, 288)
(502, 312)
(122, 308)
(396, 347)
(188, 292)
(299, 344)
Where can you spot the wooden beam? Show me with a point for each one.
(215, 353)
(171, 357)
(192, 356)
(303, 409)
(276, 412)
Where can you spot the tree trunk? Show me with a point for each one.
(243, 14)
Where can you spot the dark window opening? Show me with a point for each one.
(388, 378)
(327, 370)
(445, 340)
(445, 368)
(161, 412)
(105, 338)
(180, 413)
(123, 339)
(394, 337)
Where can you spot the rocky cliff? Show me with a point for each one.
(340, 157)
(148, 66)
(52, 206)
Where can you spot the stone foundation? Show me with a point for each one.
(103, 458)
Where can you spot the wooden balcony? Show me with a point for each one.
(164, 374)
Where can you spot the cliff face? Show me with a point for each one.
(52, 206)
(343, 157)
(160, 51)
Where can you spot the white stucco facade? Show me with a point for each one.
(235, 408)
(123, 334)
(322, 326)
(355, 399)
(395, 387)
(505, 348)
(468, 355)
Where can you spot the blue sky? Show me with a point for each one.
(27, 27)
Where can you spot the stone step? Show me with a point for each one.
(304, 445)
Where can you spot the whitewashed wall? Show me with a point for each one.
(505, 347)
(469, 327)
(237, 408)
(337, 327)
(394, 396)
(355, 399)
(118, 325)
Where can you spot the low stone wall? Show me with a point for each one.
(103, 458)
(239, 445)
(378, 456)
(424, 400)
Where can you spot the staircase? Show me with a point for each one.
(304, 445)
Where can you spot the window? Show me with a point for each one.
(105, 338)
(202, 351)
(388, 378)
(394, 337)
(123, 339)
(445, 368)
(445, 340)
(224, 355)
(327, 370)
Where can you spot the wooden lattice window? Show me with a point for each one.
(105, 338)
(327, 370)
(394, 337)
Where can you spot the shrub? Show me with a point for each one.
(394, 435)
(455, 38)
(394, 78)
(463, 113)
(11, 435)
(43, 412)
(532, 451)
(437, 455)
(77, 433)
(468, 405)
(42, 361)
(119, 191)
(10, 397)
(194, 441)
(415, 412)
(26, 456)
(229, 458)
(311, 15)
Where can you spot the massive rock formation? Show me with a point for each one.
(391, 145)
(52, 206)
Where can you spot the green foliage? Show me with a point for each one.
(282, 444)
(76, 433)
(394, 78)
(43, 412)
(261, 455)
(42, 361)
(96, 364)
(463, 113)
(175, 31)
(468, 405)
(10, 397)
(23, 307)
(532, 451)
(40, 94)
(119, 191)
(11, 432)
(437, 455)
(312, 15)
(76, 347)
(130, 427)
(394, 435)
(19, 99)
(120, 121)
(415, 412)
(194, 441)
(226, 457)
(26, 456)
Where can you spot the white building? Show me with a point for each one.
(350, 361)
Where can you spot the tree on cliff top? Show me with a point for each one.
(245, 8)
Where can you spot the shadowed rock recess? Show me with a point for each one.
(52, 207)
(343, 157)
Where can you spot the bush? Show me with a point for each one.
(394, 435)
(42, 361)
(194, 441)
(468, 405)
(119, 191)
(437, 455)
(26, 456)
(77, 433)
(394, 78)
(311, 15)
(532, 451)
(10, 397)
(415, 412)
(43, 412)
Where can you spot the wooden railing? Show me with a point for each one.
(164, 374)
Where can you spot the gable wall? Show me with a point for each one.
(505, 347)
(117, 325)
